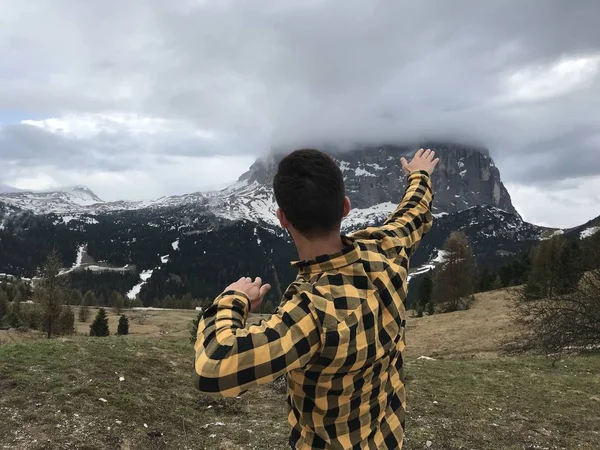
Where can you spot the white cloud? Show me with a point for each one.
(122, 95)
(566, 204)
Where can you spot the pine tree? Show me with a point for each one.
(194, 330)
(66, 321)
(187, 301)
(50, 295)
(570, 267)
(497, 284)
(75, 297)
(3, 304)
(100, 325)
(89, 299)
(117, 302)
(137, 302)
(455, 279)
(123, 327)
(544, 278)
(425, 301)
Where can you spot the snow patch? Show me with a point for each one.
(362, 172)
(556, 233)
(175, 245)
(376, 166)
(144, 277)
(463, 173)
(344, 165)
(431, 265)
(588, 232)
(164, 259)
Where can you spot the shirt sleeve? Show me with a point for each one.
(230, 358)
(405, 227)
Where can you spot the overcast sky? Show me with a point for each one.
(139, 98)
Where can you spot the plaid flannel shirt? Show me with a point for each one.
(338, 334)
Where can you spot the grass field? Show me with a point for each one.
(135, 392)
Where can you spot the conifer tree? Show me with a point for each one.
(50, 295)
(100, 325)
(123, 327)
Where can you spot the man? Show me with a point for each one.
(339, 331)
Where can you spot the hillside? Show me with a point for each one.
(135, 392)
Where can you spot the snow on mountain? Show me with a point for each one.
(589, 232)
(361, 218)
(64, 200)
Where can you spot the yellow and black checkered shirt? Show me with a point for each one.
(338, 334)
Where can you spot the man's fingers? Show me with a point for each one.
(257, 281)
(426, 153)
(403, 161)
(419, 153)
(435, 161)
(264, 290)
(431, 155)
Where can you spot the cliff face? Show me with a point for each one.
(465, 177)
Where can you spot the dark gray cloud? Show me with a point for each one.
(521, 77)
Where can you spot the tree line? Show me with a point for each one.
(557, 305)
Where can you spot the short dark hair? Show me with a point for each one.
(309, 189)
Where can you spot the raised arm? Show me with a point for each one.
(230, 359)
(405, 227)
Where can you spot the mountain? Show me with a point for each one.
(5, 189)
(62, 200)
(197, 243)
(465, 177)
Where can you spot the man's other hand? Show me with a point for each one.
(255, 290)
(423, 160)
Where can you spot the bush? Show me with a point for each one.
(100, 325)
(123, 327)
(83, 313)
(194, 330)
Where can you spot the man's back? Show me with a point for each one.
(352, 393)
(338, 335)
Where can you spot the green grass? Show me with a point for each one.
(50, 391)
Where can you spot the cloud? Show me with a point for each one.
(127, 85)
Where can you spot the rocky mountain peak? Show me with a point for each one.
(466, 176)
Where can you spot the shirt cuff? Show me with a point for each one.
(228, 298)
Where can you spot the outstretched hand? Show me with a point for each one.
(255, 290)
(423, 160)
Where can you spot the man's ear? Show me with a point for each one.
(347, 207)
(282, 219)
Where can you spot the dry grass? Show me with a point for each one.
(146, 323)
(469, 397)
(475, 333)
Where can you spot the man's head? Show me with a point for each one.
(309, 189)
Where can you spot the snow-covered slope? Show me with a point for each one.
(74, 198)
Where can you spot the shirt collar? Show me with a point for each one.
(323, 263)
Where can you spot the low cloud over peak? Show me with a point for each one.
(146, 90)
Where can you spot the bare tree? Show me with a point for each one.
(454, 281)
(568, 318)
